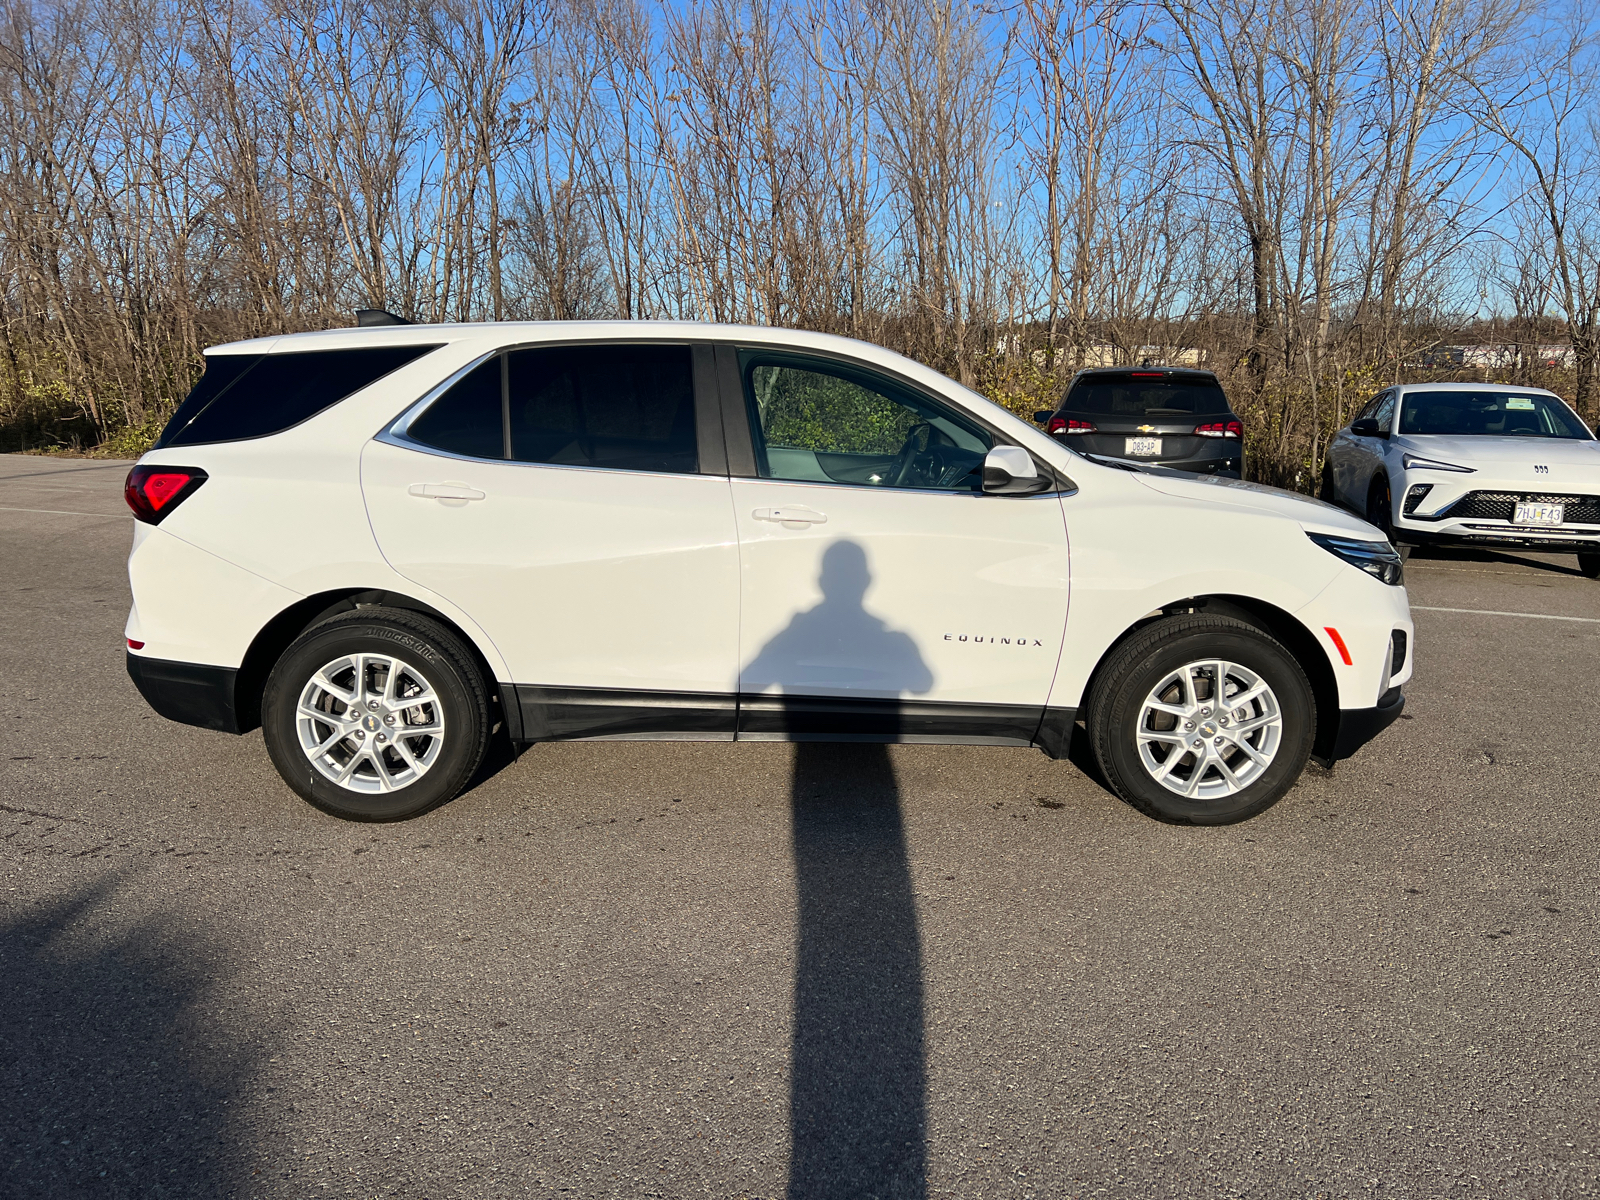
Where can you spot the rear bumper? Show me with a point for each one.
(1216, 456)
(189, 693)
(1358, 726)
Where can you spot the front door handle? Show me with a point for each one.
(446, 491)
(790, 516)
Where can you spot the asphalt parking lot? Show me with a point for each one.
(753, 970)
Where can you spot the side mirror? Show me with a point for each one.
(1366, 427)
(1010, 471)
(1042, 417)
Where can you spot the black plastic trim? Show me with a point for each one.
(708, 411)
(548, 714)
(553, 714)
(1055, 732)
(1358, 726)
(842, 718)
(189, 693)
(1586, 542)
(735, 417)
(511, 710)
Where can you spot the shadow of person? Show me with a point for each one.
(858, 1079)
(839, 647)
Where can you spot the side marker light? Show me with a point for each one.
(133, 645)
(1338, 643)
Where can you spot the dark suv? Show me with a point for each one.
(1166, 416)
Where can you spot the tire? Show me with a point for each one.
(1380, 507)
(1326, 492)
(307, 705)
(1589, 564)
(1147, 667)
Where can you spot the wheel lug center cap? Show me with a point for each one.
(1209, 729)
(371, 723)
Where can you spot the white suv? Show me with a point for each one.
(1471, 464)
(380, 544)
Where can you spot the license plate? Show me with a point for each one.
(1143, 446)
(1539, 514)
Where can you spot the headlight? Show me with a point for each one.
(1413, 462)
(1378, 559)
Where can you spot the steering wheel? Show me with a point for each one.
(900, 472)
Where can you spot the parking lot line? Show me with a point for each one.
(1491, 612)
(62, 512)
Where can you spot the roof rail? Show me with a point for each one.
(378, 316)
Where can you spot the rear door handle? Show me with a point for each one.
(790, 516)
(446, 491)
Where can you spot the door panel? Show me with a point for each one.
(908, 604)
(584, 578)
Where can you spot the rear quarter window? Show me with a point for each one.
(251, 396)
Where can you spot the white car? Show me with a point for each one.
(382, 543)
(1471, 464)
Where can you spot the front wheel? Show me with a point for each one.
(1589, 564)
(1380, 507)
(1201, 720)
(376, 715)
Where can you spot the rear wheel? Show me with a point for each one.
(376, 715)
(1589, 564)
(1201, 720)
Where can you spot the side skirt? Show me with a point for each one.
(616, 714)
(551, 714)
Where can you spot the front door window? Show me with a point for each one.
(825, 424)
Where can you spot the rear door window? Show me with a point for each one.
(620, 407)
(276, 391)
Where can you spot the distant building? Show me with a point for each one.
(1105, 354)
(1502, 357)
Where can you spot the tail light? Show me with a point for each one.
(1223, 429)
(1069, 425)
(153, 492)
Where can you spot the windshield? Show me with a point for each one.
(1130, 396)
(1493, 414)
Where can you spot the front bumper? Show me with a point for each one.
(189, 693)
(1358, 726)
(1546, 544)
(1475, 510)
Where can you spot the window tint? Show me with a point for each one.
(1130, 396)
(467, 418)
(626, 408)
(280, 390)
(836, 426)
(1463, 414)
(222, 372)
(1371, 408)
(1383, 414)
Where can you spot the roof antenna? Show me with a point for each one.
(366, 317)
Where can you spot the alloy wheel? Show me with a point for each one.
(370, 722)
(1209, 729)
